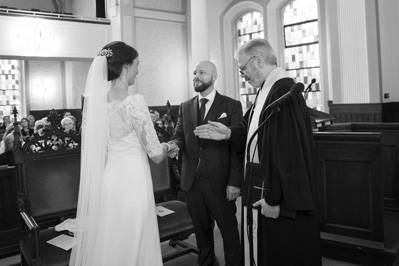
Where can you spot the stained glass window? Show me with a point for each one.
(9, 86)
(249, 26)
(301, 43)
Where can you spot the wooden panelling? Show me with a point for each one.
(348, 170)
(389, 153)
(9, 216)
(356, 175)
(365, 112)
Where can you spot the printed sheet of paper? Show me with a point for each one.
(63, 241)
(162, 211)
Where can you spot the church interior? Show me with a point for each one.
(344, 52)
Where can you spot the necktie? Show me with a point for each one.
(202, 109)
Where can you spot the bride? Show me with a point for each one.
(116, 220)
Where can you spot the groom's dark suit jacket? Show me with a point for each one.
(223, 166)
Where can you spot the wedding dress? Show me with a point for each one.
(128, 230)
(116, 223)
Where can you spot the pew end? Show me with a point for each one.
(357, 224)
(175, 227)
(48, 173)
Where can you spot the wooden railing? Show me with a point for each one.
(364, 112)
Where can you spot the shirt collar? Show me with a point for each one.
(276, 74)
(210, 97)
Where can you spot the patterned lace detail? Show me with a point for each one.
(129, 122)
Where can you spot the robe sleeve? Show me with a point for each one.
(287, 153)
(236, 164)
(238, 138)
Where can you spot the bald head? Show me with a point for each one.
(205, 75)
(208, 65)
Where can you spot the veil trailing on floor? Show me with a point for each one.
(93, 159)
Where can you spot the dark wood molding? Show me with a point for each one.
(365, 112)
(357, 180)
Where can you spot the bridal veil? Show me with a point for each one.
(93, 159)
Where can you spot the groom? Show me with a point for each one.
(211, 171)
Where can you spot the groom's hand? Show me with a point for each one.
(232, 192)
(174, 150)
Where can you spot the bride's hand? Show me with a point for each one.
(173, 151)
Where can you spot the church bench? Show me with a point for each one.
(364, 112)
(354, 224)
(48, 172)
(175, 227)
(390, 155)
(9, 216)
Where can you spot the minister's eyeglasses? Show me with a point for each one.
(242, 69)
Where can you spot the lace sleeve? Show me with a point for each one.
(139, 119)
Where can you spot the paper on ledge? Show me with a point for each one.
(162, 211)
(63, 241)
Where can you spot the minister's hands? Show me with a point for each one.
(213, 130)
(267, 210)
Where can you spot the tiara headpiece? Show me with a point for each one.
(105, 52)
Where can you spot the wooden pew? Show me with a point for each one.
(175, 227)
(390, 155)
(9, 218)
(47, 170)
(364, 112)
(51, 160)
(355, 227)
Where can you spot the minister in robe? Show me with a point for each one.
(284, 150)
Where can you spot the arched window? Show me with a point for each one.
(249, 26)
(301, 46)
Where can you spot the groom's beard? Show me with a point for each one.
(203, 86)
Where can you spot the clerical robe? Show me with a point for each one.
(286, 156)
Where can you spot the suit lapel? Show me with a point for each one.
(194, 112)
(216, 108)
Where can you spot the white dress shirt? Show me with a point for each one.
(208, 104)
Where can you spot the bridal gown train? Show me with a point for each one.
(128, 233)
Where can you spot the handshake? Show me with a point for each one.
(173, 151)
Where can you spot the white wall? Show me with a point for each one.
(352, 39)
(163, 61)
(83, 8)
(160, 36)
(157, 30)
(44, 85)
(44, 5)
(47, 38)
(388, 12)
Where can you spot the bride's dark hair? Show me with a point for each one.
(121, 54)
